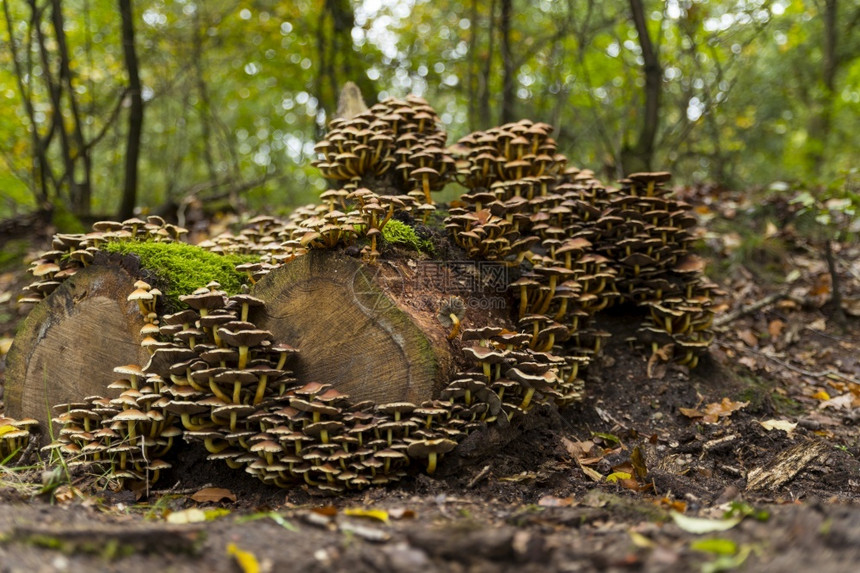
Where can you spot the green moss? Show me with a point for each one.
(183, 268)
(399, 233)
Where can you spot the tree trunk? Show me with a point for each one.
(67, 347)
(507, 115)
(135, 112)
(365, 329)
(641, 155)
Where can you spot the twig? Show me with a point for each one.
(479, 476)
(830, 373)
(749, 309)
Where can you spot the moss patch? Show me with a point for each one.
(399, 233)
(183, 267)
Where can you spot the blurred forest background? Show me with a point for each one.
(106, 106)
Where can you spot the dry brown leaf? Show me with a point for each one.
(213, 495)
(749, 338)
(716, 410)
(691, 412)
(326, 510)
(775, 328)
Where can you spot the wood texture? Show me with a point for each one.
(355, 328)
(69, 344)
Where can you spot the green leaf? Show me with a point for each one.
(715, 545)
(700, 525)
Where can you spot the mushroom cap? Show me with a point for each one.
(423, 448)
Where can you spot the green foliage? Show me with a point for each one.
(184, 268)
(832, 212)
(236, 95)
(13, 254)
(65, 221)
(399, 233)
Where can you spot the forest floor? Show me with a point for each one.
(751, 462)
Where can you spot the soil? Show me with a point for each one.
(763, 429)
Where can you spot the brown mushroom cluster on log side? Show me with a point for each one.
(580, 246)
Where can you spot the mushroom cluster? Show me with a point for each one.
(343, 219)
(579, 246)
(645, 233)
(70, 252)
(396, 145)
(14, 437)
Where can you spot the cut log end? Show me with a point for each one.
(355, 329)
(68, 345)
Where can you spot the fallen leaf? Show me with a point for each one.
(716, 410)
(553, 501)
(616, 476)
(821, 395)
(246, 560)
(700, 525)
(715, 545)
(377, 514)
(5, 345)
(193, 515)
(213, 494)
(749, 338)
(839, 402)
(819, 324)
(640, 540)
(593, 474)
(637, 458)
(691, 412)
(784, 425)
(401, 513)
(775, 327)
(326, 510)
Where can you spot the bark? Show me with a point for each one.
(820, 125)
(640, 156)
(486, 72)
(508, 66)
(135, 112)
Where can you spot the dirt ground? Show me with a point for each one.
(751, 462)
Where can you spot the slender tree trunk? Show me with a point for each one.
(81, 183)
(486, 75)
(641, 156)
(472, 73)
(40, 168)
(135, 112)
(821, 123)
(508, 70)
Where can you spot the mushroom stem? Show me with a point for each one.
(261, 390)
(243, 357)
(455, 329)
(527, 398)
(431, 463)
(189, 425)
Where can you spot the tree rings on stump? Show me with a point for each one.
(355, 329)
(69, 344)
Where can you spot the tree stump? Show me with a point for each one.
(69, 344)
(361, 328)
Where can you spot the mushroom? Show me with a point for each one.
(430, 449)
(451, 312)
